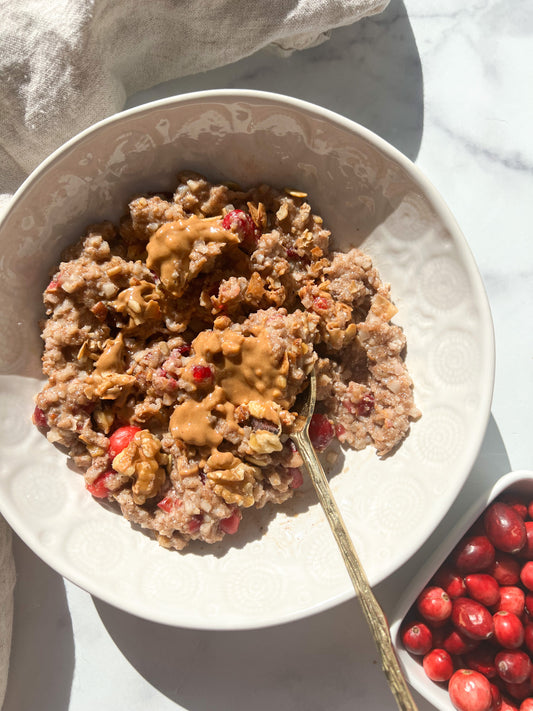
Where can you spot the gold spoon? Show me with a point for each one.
(371, 608)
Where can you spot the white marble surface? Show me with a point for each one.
(449, 84)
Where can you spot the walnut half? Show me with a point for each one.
(142, 460)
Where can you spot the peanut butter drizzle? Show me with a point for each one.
(245, 370)
(170, 247)
(111, 357)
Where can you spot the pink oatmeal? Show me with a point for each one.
(175, 347)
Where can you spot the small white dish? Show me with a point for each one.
(283, 563)
(517, 482)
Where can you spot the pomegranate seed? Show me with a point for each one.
(365, 405)
(297, 478)
(321, 303)
(434, 604)
(169, 503)
(417, 638)
(513, 665)
(230, 525)
(54, 286)
(472, 618)
(505, 529)
(39, 418)
(508, 630)
(470, 691)
(201, 373)
(120, 439)
(438, 665)
(340, 430)
(321, 431)
(195, 523)
(98, 488)
(184, 350)
(241, 224)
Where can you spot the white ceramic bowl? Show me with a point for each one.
(283, 563)
(520, 482)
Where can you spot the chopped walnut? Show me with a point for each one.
(142, 459)
(235, 485)
(264, 442)
(107, 385)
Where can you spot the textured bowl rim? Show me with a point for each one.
(437, 202)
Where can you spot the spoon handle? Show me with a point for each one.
(371, 609)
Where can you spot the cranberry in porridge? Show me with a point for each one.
(176, 344)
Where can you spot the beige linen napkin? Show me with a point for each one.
(65, 64)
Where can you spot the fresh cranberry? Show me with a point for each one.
(438, 665)
(450, 581)
(526, 575)
(472, 618)
(526, 705)
(528, 636)
(297, 478)
(506, 569)
(481, 659)
(527, 550)
(512, 599)
(293, 254)
(506, 705)
(365, 405)
(184, 349)
(321, 431)
(120, 439)
(417, 638)
(519, 691)
(230, 525)
(508, 629)
(528, 603)
(457, 643)
(504, 527)
(169, 503)
(470, 691)
(201, 373)
(473, 554)
(241, 224)
(434, 604)
(39, 418)
(516, 503)
(496, 698)
(484, 588)
(513, 665)
(98, 488)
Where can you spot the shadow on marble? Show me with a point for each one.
(491, 463)
(42, 652)
(278, 667)
(369, 72)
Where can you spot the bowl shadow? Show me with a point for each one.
(369, 71)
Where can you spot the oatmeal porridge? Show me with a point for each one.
(175, 346)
